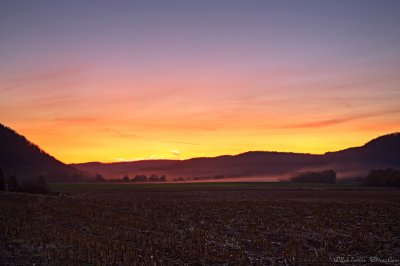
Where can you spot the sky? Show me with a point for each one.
(129, 80)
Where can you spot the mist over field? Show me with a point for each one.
(200, 132)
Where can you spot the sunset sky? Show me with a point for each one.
(128, 80)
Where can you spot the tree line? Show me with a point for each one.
(378, 177)
(33, 185)
(383, 178)
(328, 176)
(136, 178)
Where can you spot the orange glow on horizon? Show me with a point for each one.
(81, 142)
(131, 80)
(85, 121)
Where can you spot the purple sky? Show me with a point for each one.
(110, 80)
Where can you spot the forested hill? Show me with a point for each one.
(22, 158)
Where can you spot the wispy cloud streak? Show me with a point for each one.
(335, 121)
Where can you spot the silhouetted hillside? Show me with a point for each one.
(120, 169)
(382, 152)
(20, 157)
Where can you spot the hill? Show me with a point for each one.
(382, 152)
(20, 157)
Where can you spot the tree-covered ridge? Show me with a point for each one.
(26, 160)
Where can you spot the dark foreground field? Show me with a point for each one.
(201, 224)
